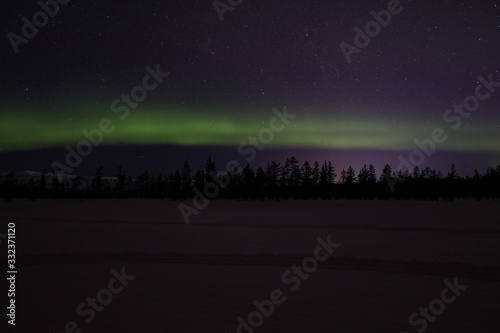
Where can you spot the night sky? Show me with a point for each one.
(225, 78)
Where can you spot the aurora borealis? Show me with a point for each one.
(226, 77)
(181, 127)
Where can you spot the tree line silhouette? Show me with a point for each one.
(276, 181)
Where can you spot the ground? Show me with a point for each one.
(393, 258)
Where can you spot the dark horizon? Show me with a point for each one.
(162, 159)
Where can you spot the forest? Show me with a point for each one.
(277, 181)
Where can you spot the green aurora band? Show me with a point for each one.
(156, 125)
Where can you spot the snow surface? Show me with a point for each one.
(201, 277)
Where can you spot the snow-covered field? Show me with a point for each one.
(393, 259)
